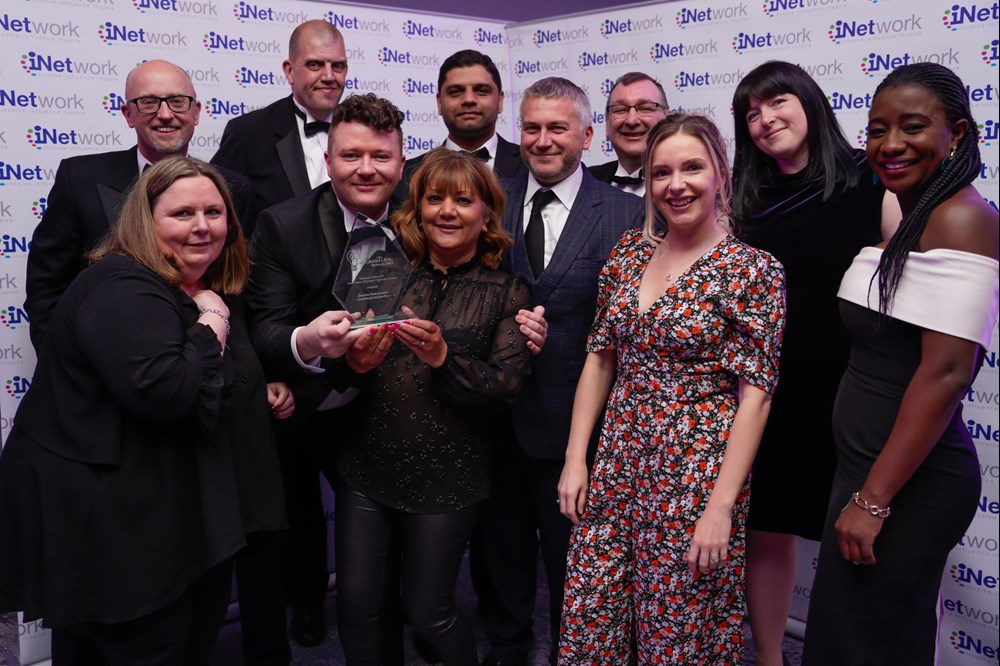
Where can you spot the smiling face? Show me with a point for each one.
(317, 71)
(469, 103)
(364, 166)
(628, 131)
(683, 183)
(165, 132)
(779, 128)
(553, 138)
(190, 225)
(452, 222)
(909, 135)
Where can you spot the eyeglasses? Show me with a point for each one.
(151, 105)
(642, 108)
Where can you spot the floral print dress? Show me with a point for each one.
(664, 436)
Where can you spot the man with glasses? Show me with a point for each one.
(635, 104)
(163, 109)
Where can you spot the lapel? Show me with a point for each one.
(290, 153)
(118, 178)
(583, 218)
(508, 159)
(331, 222)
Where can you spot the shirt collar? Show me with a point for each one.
(622, 172)
(566, 189)
(309, 117)
(490, 145)
(349, 216)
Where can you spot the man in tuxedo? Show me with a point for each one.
(636, 103)
(89, 189)
(564, 224)
(280, 148)
(469, 99)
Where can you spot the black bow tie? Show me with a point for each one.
(315, 127)
(483, 153)
(627, 180)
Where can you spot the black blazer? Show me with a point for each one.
(604, 172)
(85, 199)
(567, 288)
(296, 251)
(507, 164)
(264, 146)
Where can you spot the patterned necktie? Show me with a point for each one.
(534, 233)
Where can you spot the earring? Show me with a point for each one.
(946, 161)
(874, 178)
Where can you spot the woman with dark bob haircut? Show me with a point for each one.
(803, 195)
(432, 390)
(921, 310)
(142, 455)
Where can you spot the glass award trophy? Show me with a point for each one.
(373, 274)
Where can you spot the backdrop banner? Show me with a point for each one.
(63, 64)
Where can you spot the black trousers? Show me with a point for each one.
(521, 517)
(261, 590)
(381, 552)
(182, 633)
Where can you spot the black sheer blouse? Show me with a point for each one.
(426, 435)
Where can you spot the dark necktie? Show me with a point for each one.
(314, 127)
(534, 233)
(627, 180)
(482, 154)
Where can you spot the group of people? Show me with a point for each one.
(611, 368)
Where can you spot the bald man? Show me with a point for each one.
(89, 189)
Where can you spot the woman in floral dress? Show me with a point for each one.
(684, 351)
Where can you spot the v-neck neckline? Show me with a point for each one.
(671, 287)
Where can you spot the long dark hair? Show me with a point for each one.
(831, 160)
(958, 171)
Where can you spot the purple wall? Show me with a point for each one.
(514, 11)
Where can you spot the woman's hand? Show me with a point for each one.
(370, 349)
(423, 338)
(710, 545)
(534, 327)
(214, 313)
(573, 484)
(856, 532)
(206, 298)
(281, 400)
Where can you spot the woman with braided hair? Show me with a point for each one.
(920, 310)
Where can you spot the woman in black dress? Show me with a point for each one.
(142, 455)
(920, 310)
(805, 197)
(411, 484)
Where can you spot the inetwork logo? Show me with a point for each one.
(883, 63)
(746, 41)
(849, 101)
(413, 87)
(774, 8)
(218, 41)
(113, 33)
(355, 24)
(589, 59)
(380, 86)
(38, 207)
(177, 7)
(18, 100)
(112, 103)
(34, 62)
(50, 137)
(525, 67)
(13, 316)
(394, 57)
(698, 16)
(660, 51)
(248, 11)
(483, 36)
(841, 31)
(249, 77)
(414, 145)
(970, 646)
(606, 86)
(17, 386)
(427, 31)
(20, 174)
(685, 80)
(989, 131)
(968, 576)
(35, 30)
(543, 37)
(224, 108)
(991, 53)
(613, 27)
(422, 118)
(958, 16)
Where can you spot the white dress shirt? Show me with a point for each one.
(314, 147)
(556, 213)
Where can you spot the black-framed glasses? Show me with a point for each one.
(642, 108)
(149, 105)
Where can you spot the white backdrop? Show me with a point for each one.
(63, 64)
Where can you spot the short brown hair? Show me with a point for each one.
(703, 129)
(371, 111)
(450, 171)
(134, 233)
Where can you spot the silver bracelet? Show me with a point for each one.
(216, 311)
(874, 510)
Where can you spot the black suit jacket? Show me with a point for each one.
(296, 251)
(604, 172)
(567, 288)
(264, 146)
(85, 199)
(507, 164)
